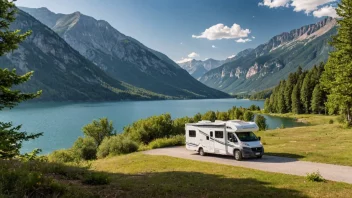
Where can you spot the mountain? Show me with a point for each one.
(264, 66)
(122, 57)
(60, 71)
(198, 68)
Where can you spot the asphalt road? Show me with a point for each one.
(267, 163)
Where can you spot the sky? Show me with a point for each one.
(200, 29)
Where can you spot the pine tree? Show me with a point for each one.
(296, 103)
(10, 137)
(337, 76)
(267, 106)
(281, 104)
(317, 100)
(288, 91)
(306, 93)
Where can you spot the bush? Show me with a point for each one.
(197, 117)
(261, 122)
(167, 142)
(331, 121)
(85, 148)
(61, 156)
(341, 119)
(248, 116)
(99, 129)
(315, 177)
(146, 130)
(210, 115)
(179, 125)
(222, 116)
(254, 108)
(116, 145)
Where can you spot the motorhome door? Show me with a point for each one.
(219, 143)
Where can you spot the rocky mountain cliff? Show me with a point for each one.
(271, 62)
(122, 57)
(197, 68)
(60, 71)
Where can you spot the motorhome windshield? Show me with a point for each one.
(246, 136)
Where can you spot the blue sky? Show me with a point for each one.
(168, 25)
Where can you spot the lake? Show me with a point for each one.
(62, 122)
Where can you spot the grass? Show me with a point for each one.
(139, 175)
(319, 141)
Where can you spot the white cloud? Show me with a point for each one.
(307, 6)
(184, 60)
(253, 37)
(232, 56)
(326, 11)
(193, 55)
(243, 40)
(220, 31)
(274, 3)
(213, 46)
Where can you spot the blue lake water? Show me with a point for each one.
(62, 122)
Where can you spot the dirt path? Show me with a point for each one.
(267, 163)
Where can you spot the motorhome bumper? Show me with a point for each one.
(252, 152)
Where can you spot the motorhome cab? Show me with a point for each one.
(234, 137)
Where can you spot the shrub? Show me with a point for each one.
(99, 129)
(331, 121)
(85, 148)
(222, 116)
(248, 116)
(146, 130)
(116, 145)
(179, 125)
(210, 115)
(197, 117)
(167, 142)
(96, 179)
(282, 126)
(341, 119)
(315, 177)
(61, 156)
(261, 122)
(254, 108)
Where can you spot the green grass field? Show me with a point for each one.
(319, 141)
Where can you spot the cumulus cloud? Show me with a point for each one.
(326, 11)
(213, 46)
(307, 6)
(241, 40)
(221, 31)
(193, 55)
(275, 3)
(190, 56)
(253, 37)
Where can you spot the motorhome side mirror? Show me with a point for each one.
(259, 138)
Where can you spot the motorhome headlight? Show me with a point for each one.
(244, 144)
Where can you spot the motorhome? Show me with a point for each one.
(233, 137)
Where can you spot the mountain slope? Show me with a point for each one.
(60, 71)
(123, 57)
(198, 68)
(271, 62)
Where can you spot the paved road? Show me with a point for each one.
(267, 163)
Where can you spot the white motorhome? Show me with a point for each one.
(234, 137)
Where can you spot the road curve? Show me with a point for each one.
(267, 163)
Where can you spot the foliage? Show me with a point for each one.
(99, 129)
(116, 145)
(177, 140)
(254, 108)
(248, 116)
(178, 125)
(96, 179)
(337, 76)
(146, 130)
(331, 121)
(10, 137)
(85, 148)
(315, 177)
(300, 93)
(209, 115)
(61, 156)
(222, 116)
(11, 140)
(197, 117)
(261, 122)
(261, 95)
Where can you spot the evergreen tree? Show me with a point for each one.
(10, 137)
(338, 70)
(288, 91)
(281, 104)
(267, 106)
(296, 103)
(317, 100)
(197, 117)
(305, 94)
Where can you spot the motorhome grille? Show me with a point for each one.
(257, 149)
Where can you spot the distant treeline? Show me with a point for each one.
(262, 95)
(300, 93)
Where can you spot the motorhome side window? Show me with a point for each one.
(192, 133)
(219, 134)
